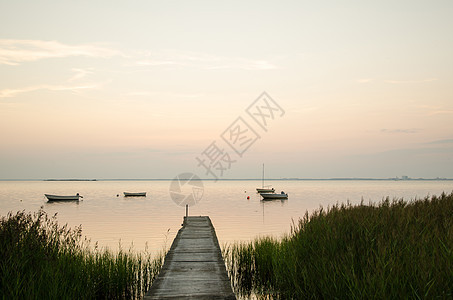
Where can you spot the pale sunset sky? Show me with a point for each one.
(140, 89)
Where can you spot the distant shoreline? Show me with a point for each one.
(245, 179)
(70, 180)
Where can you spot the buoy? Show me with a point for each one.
(248, 197)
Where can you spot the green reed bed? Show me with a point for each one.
(393, 250)
(39, 259)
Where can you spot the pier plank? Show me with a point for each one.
(194, 267)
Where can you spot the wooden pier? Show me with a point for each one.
(194, 267)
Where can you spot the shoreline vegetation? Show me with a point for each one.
(42, 260)
(391, 250)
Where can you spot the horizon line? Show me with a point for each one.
(227, 179)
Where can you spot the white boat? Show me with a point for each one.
(63, 198)
(272, 196)
(140, 194)
(263, 189)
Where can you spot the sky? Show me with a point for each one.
(152, 89)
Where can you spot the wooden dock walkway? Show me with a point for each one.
(194, 267)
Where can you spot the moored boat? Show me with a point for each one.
(271, 196)
(63, 198)
(263, 189)
(129, 194)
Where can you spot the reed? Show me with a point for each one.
(391, 250)
(42, 260)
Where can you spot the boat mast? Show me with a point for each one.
(263, 176)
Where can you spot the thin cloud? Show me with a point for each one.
(204, 61)
(405, 153)
(141, 93)
(148, 62)
(8, 93)
(210, 62)
(441, 112)
(410, 81)
(399, 130)
(367, 80)
(80, 73)
(438, 142)
(167, 94)
(435, 110)
(243, 64)
(15, 52)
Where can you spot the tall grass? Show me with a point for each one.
(39, 259)
(392, 250)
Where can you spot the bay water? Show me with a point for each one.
(236, 210)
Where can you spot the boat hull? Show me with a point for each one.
(272, 196)
(62, 198)
(263, 190)
(141, 194)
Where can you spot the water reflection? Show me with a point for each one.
(65, 202)
(270, 204)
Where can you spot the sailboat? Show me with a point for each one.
(263, 189)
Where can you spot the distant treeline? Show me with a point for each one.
(243, 179)
(70, 179)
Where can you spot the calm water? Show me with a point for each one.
(155, 220)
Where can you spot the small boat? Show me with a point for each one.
(264, 189)
(272, 196)
(140, 194)
(63, 198)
